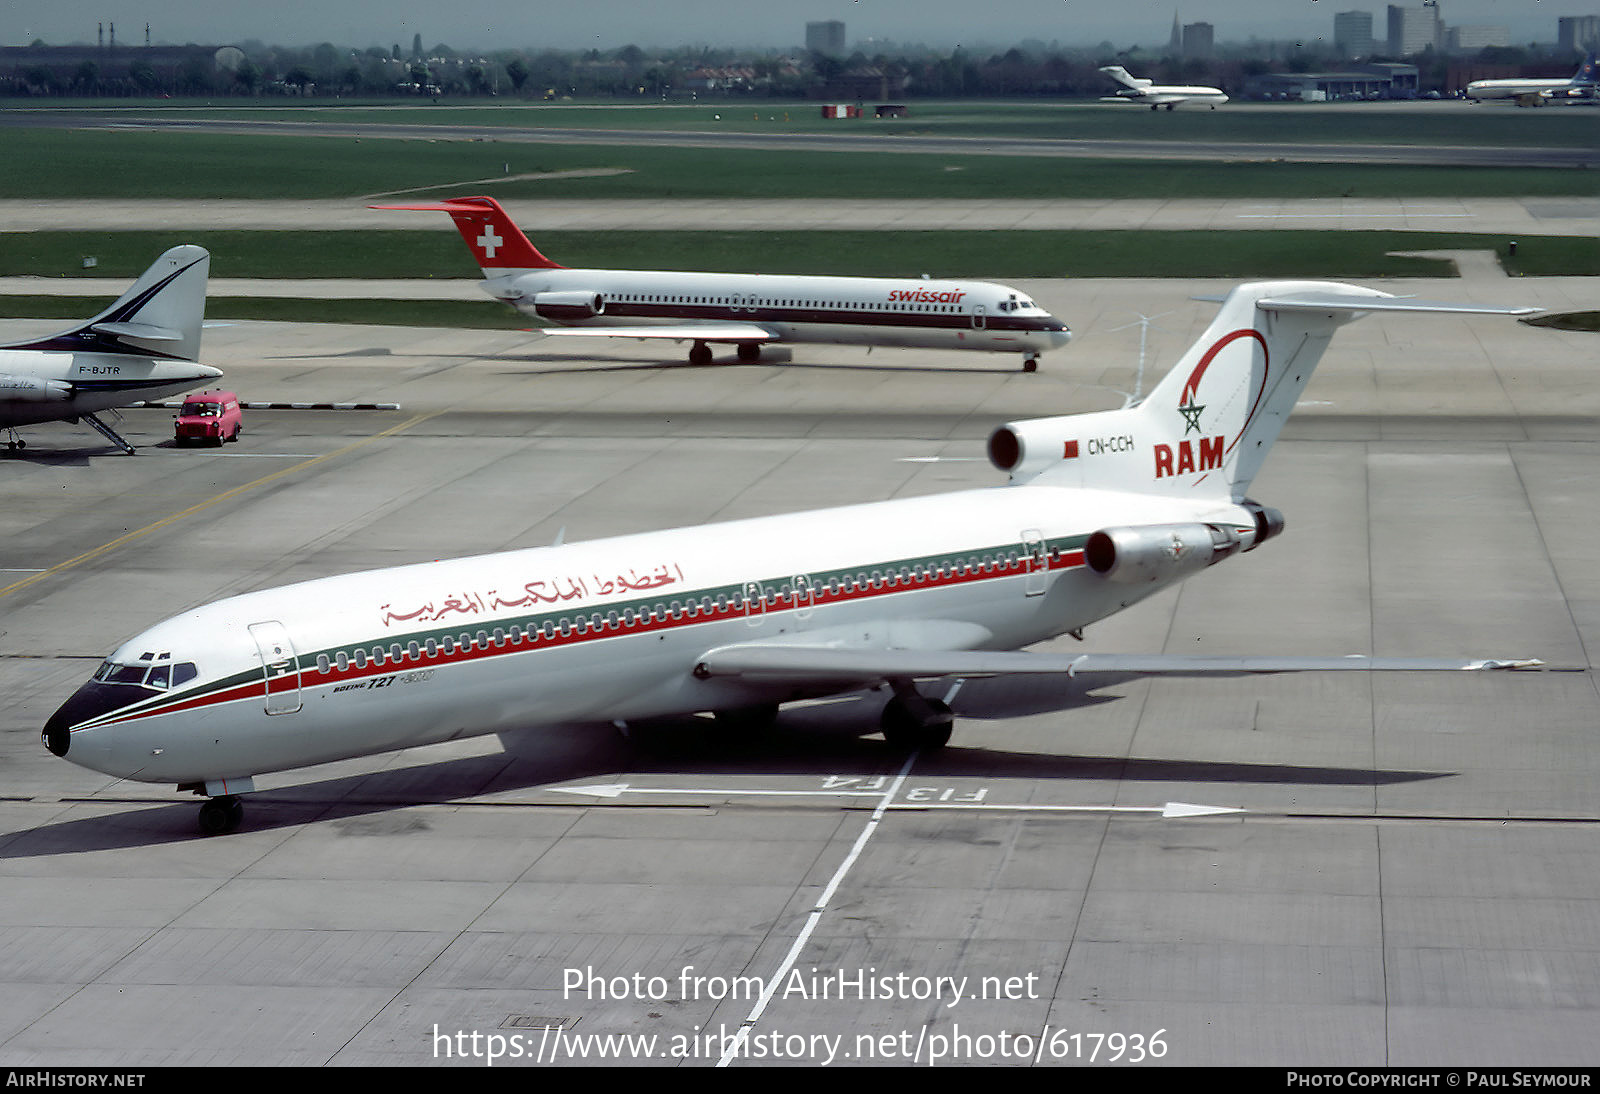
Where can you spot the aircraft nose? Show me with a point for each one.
(57, 733)
(89, 701)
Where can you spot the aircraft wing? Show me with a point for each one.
(778, 663)
(685, 332)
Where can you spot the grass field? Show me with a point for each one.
(151, 164)
(971, 254)
(1451, 123)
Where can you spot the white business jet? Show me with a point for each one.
(1102, 511)
(1137, 89)
(1584, 84)
(747, 310)
(142, 347)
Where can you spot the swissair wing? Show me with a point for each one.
(704, 332)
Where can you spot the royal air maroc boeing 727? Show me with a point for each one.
(142, 347)
(1102, 510)
(747, 310)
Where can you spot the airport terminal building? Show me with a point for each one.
(1373, 81)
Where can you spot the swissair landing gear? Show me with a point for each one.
(1030, 363)
(220, 816)
(15, 443)
(912, 721)
(700, 354)
(749, 351)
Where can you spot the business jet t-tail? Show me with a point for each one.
(1137, 89)
(747, 310)
(1102, 511)
(142, 347)
(1584, 84)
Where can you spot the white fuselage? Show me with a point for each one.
(927, 314)
(605, 630)
(1516, 89)
(1173, 95)
(60, 385)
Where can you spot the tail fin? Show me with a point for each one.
(1588, 72)
(160, 316)
(1120, 74)
(494, 239)
(1207, 427)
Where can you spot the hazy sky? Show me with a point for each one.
(607, 24)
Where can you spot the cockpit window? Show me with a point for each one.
(160, 676)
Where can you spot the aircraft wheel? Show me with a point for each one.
(1030, 364)
(906, 727)
(749, 351)
(220, 816)
(700, 354)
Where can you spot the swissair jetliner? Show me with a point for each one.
(1137, 89)
(1102, 511)
(1583, 85)
(747, 310)
(142, 347)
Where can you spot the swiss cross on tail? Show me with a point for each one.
(496, 242)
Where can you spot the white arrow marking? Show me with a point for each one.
(1169, 810)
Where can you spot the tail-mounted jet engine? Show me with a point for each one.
(1146, 553)
(567, 306)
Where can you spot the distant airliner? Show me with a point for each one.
(747, 310)
(1137, 89)
(142, 347)
(1583, 84)
(1104, 510)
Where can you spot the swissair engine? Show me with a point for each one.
(32, 389)
(567, 306)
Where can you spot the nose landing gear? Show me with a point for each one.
(219, 816)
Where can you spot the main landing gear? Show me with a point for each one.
(221, 815)
(699, 354)
(912, 721)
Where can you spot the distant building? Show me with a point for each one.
(1198, 39)
(1473, 37)
(113, 69)
(1352, 34)
(1412, 30)
(1578, 33)
(826, 38)
(1389, 81)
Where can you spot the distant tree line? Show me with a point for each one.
(1032, 68)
